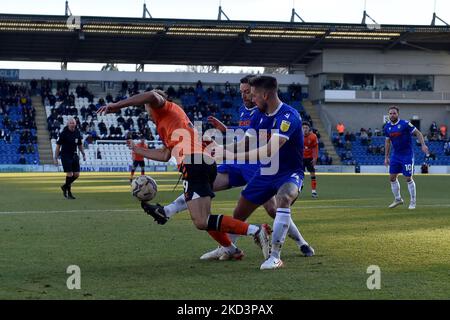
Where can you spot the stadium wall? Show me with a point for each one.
(370, 115)
(414, 62)
(158, 77)
(159, 168)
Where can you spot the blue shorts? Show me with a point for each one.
(238, 174)
(404, 165)
(263, 187)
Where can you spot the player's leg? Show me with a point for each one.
(312, 173)
(286, 194)
(142, 165)
(179, 204)
(395, 167)
(219, 225)
(67, 167)
(162, 214)
(133, 169)
(76, 174)
(307, 163)
(408, 171)
(293, 231)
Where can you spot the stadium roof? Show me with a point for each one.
(199, 42)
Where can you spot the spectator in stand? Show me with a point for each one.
(30, 148)
(434, 131)
(442, 132)
(348, 145)
(22, 159)
(124, 87)
(377, 132)
(364, 137)
(99, 154)
(424, 168)
(135, 86)
(347, 136)
(109, 98)
(340, 129)
(447, 147)
(22, 149)
(7, 136)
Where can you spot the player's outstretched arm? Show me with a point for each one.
(152, 98)
(419, 135)
(262, 153)
(216, 123)
(162, 154)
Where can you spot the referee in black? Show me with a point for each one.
(66, 146)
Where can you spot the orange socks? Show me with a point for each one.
(313, 183)
(220, 237)
(231, 225)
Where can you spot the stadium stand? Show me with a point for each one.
(102, 134)
(18, 141)
(367, 148)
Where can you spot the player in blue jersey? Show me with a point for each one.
(401, 160)
(231, 176)
(282, 174)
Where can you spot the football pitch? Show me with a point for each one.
(123, 254)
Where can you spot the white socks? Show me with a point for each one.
(412, 190)
(178, 205)
(295, 234)
(280, 230)
(395, 186)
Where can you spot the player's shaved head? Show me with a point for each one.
(71, 123)
(161, 93)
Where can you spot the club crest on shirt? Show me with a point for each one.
(76, 140)
(285, 126)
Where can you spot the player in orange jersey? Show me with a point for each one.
(138, 159)
(310, 155)
(199, 170)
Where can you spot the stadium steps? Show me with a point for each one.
(44, 145)
(324, 136)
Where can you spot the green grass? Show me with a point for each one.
(123, 254)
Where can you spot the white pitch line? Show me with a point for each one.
(139, 210)
(70, 211)
(354, 207)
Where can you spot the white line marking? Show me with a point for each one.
(139, 210)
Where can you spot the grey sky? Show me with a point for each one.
(343, 11)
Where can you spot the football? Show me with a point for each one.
(144, 188)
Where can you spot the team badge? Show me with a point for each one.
(76, 140)
(285, 126)
(399, 126)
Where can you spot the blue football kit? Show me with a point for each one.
(288, 124)
(402, 154)
(240, 174)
